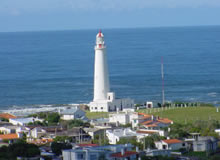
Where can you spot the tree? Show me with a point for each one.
(148, 142)
(58, 147)
(100, 139)
(62, 139)
(132, 141)
(53, 118)
(19, 149)
(75, 123)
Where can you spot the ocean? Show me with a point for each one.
(56, 67)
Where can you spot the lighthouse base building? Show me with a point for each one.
(104, 100)
(111, 104)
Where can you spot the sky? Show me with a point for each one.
(35, 15)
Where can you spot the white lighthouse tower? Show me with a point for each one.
(104, 100)
(101, 78)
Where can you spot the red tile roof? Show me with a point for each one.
(165, 120)
(7, 115)
(146, 132)
(126, 154)
(151, 125)
(171, 141)
(147, 122)
(88, 145)
(8, 136)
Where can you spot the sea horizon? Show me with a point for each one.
(56, 67)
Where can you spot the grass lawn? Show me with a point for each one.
(185, 115)
(94, 115)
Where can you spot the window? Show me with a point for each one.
(93, 157)
(109, 97)
(101, 107)
(183, 144)
(95, 107)
(79, 156)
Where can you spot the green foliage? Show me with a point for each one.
(62, 139)
(52, 118)
(129, 125)
(177, 131)
(94, 115)
(4, 120)
(37, 123)
(75, 123)
(148, 142)
(19, 149)
(100, 139)
(132, 141)
(58, 147)
(215, 157)
(187, 115)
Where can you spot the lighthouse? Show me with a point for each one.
(101, 77)
(104, 100)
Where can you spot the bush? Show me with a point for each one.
(58, 147)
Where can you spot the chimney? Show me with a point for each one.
(122, 151)
(152, 117)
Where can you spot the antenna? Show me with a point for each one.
(162, 76)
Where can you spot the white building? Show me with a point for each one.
(120, 118)
(13, 129)
(109, 152)
(116, 134)
(104, 100)
(23, 121)
(37, 132)
(158, 152)
(73, 113)
(171, 144)
(217, 131)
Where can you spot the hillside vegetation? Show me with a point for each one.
(185, 114)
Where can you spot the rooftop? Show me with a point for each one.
(7, 115)
(8, 136)
(172, 141)
(70, 111)
(126, 154)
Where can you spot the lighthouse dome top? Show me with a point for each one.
(100, 34)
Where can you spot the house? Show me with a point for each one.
(23, 121)
(114, 135)
(138, 118)
(205, 144)
(150, 132)
(94, 131)
(13, 137)
(119, 118)
(102, 123)
(171, 144)
(6, 116)
(73, 113)
(109, 152)
(217, 131)
(77, 134)
(14, 129)
(158, 152)
(37, 132)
